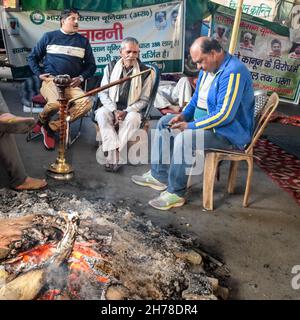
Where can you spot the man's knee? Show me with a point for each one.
(102, 114)
(51, 107)
(164, 120)
(133, 118)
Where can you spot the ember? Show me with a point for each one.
(96, 251)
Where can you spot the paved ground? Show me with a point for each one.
(259, 244)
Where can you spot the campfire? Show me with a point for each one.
(56, 247)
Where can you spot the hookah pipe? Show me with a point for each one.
(99, 89)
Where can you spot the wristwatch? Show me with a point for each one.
(81, 78)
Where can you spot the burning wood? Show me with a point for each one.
(28, 285)
(110, 254)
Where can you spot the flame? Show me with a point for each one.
(78, 260)
(50, 295)
(83, 261)
(31, 258)
(38, 254)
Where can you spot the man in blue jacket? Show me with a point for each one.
(221, 109)
(63, 51)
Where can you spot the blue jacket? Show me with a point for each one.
(230, 103)
(63, 53)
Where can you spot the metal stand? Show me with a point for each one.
(61, 170)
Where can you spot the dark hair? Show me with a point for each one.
(275, 41)
(209, 44)
(67, 12)
(294, 46)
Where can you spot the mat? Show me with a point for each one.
(282, 167)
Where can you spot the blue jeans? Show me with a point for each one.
(181, 148)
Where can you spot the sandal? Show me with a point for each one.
(31, 184)
(109, 167)
(116, 167)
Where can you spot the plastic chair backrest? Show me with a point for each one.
(263, 120)
(146, 113)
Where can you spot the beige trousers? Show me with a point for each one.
(50, 93)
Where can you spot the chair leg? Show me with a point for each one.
(30, 135)
(70, 139)
(189, 181)
(248, 183)
(232, 176)
(210, 168)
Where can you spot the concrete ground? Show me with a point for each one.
(259, 245)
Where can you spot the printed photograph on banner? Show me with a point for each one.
(13, 26)
(247, 42)
(294, 52)
(221, 34)
(174, 15)
(275, 48)
(161, 20)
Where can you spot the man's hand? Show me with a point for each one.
(176, 119)
(76, 82)
(119, 116)
(180, 125)
(44, 76)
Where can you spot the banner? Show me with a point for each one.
(273, 60)
(264, 9)
(158, 28)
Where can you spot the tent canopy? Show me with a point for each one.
(195, 9)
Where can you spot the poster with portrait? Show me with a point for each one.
(273, 60)
(158, 28)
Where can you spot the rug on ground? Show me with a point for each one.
(281, 166)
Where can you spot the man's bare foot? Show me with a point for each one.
(32, 184)
(10, 123)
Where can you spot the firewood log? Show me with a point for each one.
(25, 287)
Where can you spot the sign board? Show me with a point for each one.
(273, 60)
(264, 9)
(158, 28)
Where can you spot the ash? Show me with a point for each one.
(142, 256)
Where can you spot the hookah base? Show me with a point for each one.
(60, 170)
(60, 176)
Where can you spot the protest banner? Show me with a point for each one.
(158, 28)
(271, 58)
